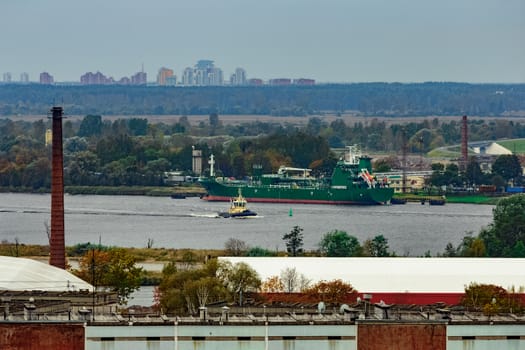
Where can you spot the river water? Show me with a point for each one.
(131, 221)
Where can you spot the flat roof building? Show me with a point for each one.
(398, 280)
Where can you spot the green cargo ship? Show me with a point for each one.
(351, 183)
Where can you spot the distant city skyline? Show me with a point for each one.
(331, 41)
(203, 73)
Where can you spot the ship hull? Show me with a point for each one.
(218, 191)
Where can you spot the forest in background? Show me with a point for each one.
(134, 152)
(367, 99)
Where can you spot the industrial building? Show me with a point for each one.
(35, 318)
(406, 281)
(350, 328)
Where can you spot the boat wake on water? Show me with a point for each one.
(205, 215)
(218, 215)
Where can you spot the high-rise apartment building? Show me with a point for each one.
(239, 77)
(7, 77)
(303, 81)
(205, 73)
(187, 77)
(280, 81)
(95, 79)
(204, 64)
(46, 78)
(171, 81)
(124, 81)
(255, 82)
(100, 79)
(215, 76)
(24, 78)
(163, 75)
(200, 77)
(139, 78)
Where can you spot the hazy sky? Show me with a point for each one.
(327, 40)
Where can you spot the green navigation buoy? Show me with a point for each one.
(290, 213)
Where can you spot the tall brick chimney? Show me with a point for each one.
(57, 242)
(464, 144)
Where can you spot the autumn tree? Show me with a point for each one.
(239, 279)
(188, 260)
(491, 299)
(472, 247)
(183, 290)
(272, 284)
(332, 292)
(197, 293)
(92, 266)
(123, 275)
(114, 269)
(377, 246)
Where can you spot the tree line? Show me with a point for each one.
(336, 243)
(135, 152)
(505, 169)
(377, 99)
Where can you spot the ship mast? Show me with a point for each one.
(212, 163)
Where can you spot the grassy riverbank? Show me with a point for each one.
(140, 254)
(474, 199)
(185, 191)
(151, 259)
(453, 198)
(193, 190)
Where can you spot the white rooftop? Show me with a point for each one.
(493, 149)
(19, 274)
(395, 275)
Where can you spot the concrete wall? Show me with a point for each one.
(405, 336)
(366, 335)
(215, 337)
(41, 336)
(486, 337)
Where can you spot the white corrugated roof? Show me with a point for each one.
(397, 275)
(26, 274)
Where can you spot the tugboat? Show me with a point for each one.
(398, 200)
(437, 201)
(238, 208)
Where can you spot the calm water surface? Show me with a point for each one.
(130, 221)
